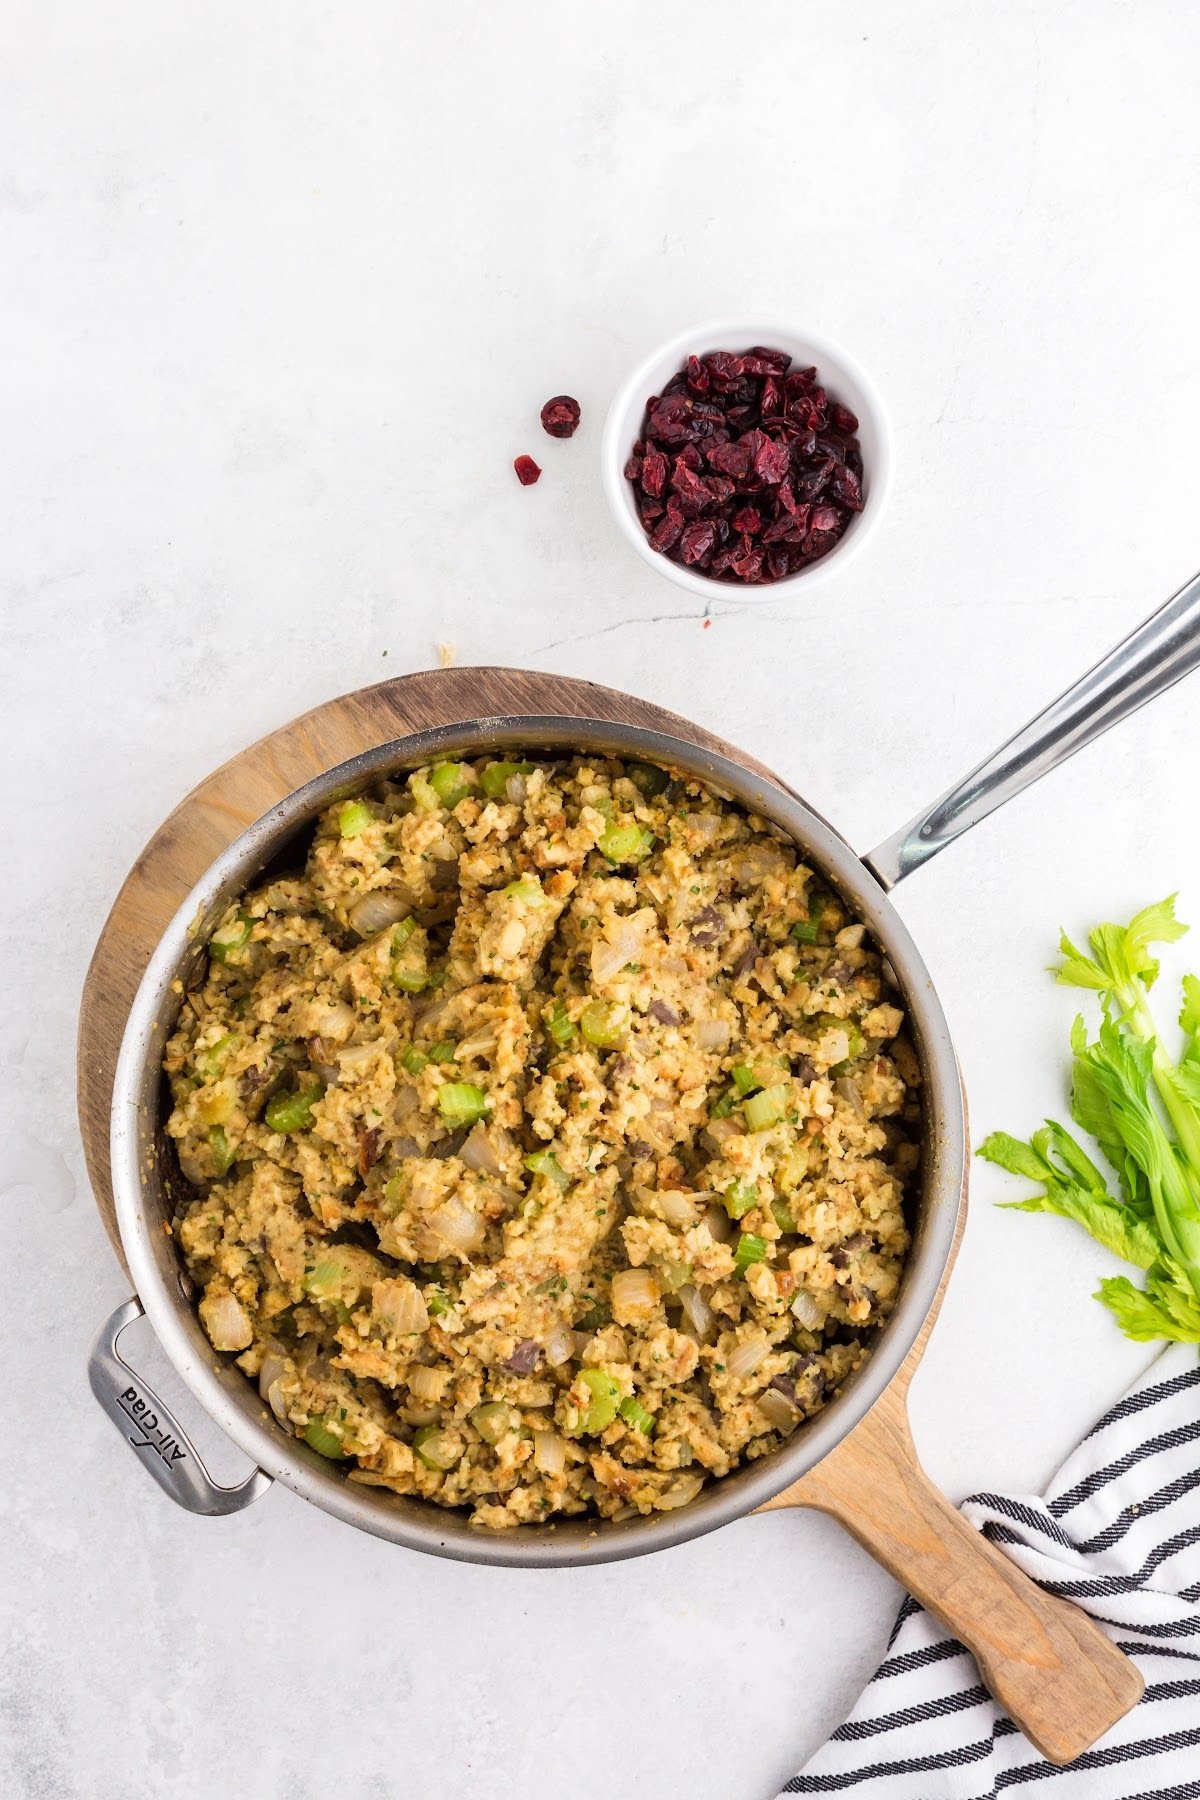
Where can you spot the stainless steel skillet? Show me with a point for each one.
(1158, 654)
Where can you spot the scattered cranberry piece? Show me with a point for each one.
(527, 470)
(560, 416)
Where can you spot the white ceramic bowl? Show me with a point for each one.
(839, 374)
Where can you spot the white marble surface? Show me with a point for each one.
(281, 289)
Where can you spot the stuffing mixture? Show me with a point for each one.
(546, 1140)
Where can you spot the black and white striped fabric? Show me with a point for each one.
(1119, 1533)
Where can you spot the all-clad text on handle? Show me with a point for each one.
(1161, 651)
(152, 1431)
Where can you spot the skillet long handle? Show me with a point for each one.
(1162, 650)
(1051, 1667)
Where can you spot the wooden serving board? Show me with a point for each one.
(1054, 1671)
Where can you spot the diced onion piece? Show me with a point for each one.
(559, 1345)
(778, 1410)
(712, 1034)
(376, 911)
(697, 1310)
(355, 1058)
(515, 790)
(622, 943)
(399, 1306)
(275, 1399)
(806, 1310)
(456, 1224)
(720, 1225)
(427, 1384)
(549, 1454)
(634, 1295)
(272, 1368)
(226, 1322)
(676, 1207)
(745, 1359)
(848, 1089)
(479, 1152)
(681, 1492)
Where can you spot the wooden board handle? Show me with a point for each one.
(1050, 1667)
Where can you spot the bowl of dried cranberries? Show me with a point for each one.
(746, 456)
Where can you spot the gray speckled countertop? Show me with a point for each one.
(281, 291)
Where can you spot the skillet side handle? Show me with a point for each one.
(152, 1431)
(1049, 1666)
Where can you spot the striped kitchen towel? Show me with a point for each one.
(1118, 1532)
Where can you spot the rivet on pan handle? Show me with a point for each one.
(1161, 651)
(152, 1431)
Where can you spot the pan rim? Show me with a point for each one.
(431, 1529)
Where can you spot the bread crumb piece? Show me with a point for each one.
(446, 655)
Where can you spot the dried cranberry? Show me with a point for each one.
(527, 470)
(667, 532)
(745, 468)
(654, 471)
(560, 416)
(761, 361)
(771, 461)
(697, 540)
(847, 489)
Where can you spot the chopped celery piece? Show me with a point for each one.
(423, 792)
(635, 1414)
(782, 1215)
(410, 971)
(626, 843)
(323, 1441)
(211, 1061)
(606, 1394)
(740, 1196)
(805, 930)
(410, 977)
(228, 938)
(647, 779)
(559, 1026)
(602, 1024)
(761, 1111)
(436, 1448)
(444, 1051)
(528, 890)
(496, 776)
(438, 1303)
(223, 1153)
(725, 1105)
(744, 1079)
(354, 817)
(462, 1103)
(414, 1060)
(674, 1275)
(750, 1249)
(293, 1111)
(451, 782)
(491, 1421)
(544, 1162)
